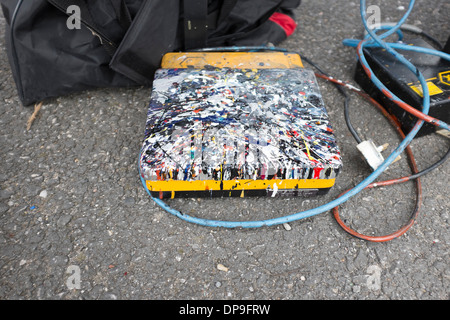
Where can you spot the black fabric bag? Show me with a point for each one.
(120, 43)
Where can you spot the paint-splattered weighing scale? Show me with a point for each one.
(237, 124)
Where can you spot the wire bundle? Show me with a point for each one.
(372, 39)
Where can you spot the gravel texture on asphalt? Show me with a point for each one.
(71, 201)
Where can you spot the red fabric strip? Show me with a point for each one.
(284, 21)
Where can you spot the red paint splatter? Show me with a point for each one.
(317, 172)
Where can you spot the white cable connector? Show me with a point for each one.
(372, 153)
(444, 133)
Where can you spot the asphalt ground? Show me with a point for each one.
(72, 206)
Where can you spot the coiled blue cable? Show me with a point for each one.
(372, 39)
(334, 203)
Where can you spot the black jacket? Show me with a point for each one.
(120, 43)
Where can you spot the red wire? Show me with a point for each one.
(413, 166)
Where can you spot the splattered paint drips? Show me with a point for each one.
(234, 125)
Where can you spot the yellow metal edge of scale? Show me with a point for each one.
(234, 60)
(224, 185)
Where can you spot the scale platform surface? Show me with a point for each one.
(237, 124)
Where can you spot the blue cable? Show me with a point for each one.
(401, 46)
(372, 39)
(334, 203)
(398, 31)
(362, 11)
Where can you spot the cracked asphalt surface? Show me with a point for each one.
(70, 197)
